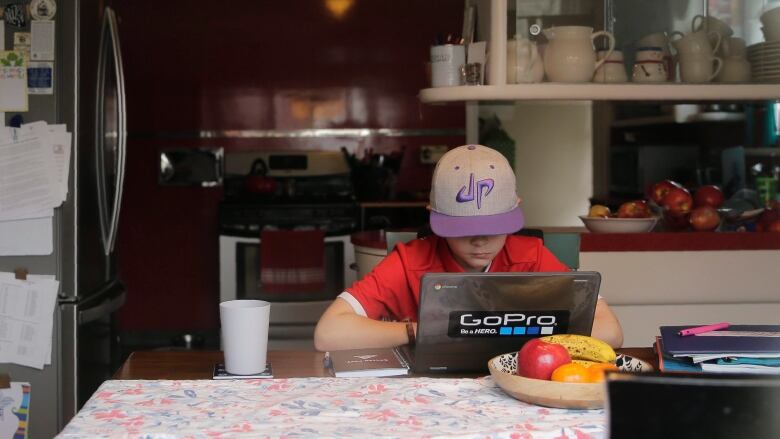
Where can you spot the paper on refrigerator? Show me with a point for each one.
(26, 320)
(34, 173)
(28, 177)
(32, 236)
(15, 410)
(13, 81)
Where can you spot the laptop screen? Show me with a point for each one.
(467, 318)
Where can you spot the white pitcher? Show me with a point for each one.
(523, 63)
(570, 55)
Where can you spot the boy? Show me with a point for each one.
(474, 212)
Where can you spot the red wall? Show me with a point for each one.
(254, 65)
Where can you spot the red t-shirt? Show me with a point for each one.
(392, 289)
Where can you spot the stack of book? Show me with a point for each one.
(381, 362)
(736, 349)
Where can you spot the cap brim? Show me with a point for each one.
(457, 226)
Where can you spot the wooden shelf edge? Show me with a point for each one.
(602, 92)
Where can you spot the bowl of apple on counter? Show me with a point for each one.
(563, 371)
(681, 210)
(632, 217)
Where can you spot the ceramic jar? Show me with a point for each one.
(612, 70)
(523, 63)
(570, 55)
(649, 65)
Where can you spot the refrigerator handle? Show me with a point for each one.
(112, 297)
(100, 135)
(121, 127)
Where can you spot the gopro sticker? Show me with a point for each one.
(507, 323)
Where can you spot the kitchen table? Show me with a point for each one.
(169, 394)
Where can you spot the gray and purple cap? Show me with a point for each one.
(473, 193)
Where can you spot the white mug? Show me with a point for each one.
(695, 43)
(446, 62)
(649, 65)
(523, 63)
(711, 24)
(245, 335)
(649, 72)
(733, 47)
(612, 70)
(699, 69)
(735, 69)
(770, 20)
(660, 39)
(771, 34)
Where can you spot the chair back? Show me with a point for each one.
(394, 237)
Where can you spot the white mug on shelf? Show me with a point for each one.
(770, 20)
(523, 63)
(733, 47)
(735, 69)
(612, 70)
(660, 39)
(446, 63)
(570, 55)
(711, 24)
(698, 70)
(649, 65)
(695, 43)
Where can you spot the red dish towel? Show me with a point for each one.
(292, 261)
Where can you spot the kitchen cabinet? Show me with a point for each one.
(498, 90)
(654, 279)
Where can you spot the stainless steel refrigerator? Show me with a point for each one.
(89, 98)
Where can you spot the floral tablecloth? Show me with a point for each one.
(322, 407)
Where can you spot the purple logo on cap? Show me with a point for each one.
(475, 190)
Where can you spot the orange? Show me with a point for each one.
(597, 371)
(572, 373)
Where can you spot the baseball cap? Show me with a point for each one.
(473, 192)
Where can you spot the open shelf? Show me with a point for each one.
(602, 92)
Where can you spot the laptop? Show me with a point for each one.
(465, 319)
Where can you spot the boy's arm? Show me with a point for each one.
(606, 325)
(341, 328)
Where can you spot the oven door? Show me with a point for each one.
(293, 315)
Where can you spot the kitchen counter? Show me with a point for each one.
(376, 238)
(678, 241)
(371, 245)
(652, 279)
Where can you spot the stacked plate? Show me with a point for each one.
(765, 61)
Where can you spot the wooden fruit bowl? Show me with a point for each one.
(545, 393)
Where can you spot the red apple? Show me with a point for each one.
(660, 189)
(774, 226)
(709, 195)
(704, 218)
(634, 209)
(678, 201)
(538, 359)
(767, 217)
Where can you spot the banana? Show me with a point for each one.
(585, 363)
(582, 347)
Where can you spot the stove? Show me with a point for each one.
(310, 190)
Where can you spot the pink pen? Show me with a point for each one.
(701, 329)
